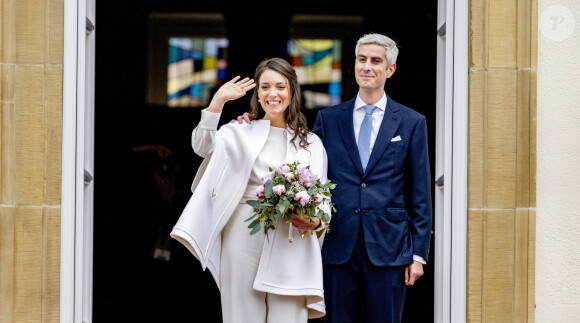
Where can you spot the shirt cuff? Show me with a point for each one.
(419, 259)
(320, 227)
(209, 120)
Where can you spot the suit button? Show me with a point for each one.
(363, 185)
(357, 211)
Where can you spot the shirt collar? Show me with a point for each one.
(382, 104)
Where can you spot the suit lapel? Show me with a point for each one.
(345, 125)
(389, 126)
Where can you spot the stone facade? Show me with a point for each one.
(31, 51)
(502, 160)
(501, 177)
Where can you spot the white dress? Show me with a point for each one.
(241, 254)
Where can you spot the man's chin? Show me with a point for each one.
(367, 86)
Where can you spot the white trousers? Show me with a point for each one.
(239, 265)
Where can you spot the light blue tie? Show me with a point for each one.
(364, 135)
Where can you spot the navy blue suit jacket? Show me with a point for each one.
(392, 199)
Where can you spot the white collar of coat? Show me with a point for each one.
(253, 133)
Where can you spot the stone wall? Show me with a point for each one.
(502, 160)
(31, 51)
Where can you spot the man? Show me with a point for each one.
(379, 238)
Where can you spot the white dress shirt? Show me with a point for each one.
(358, 115)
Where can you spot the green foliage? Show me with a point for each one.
(279, 198)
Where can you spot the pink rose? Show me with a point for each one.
(307, 177)
(260, 192)
(268, 176)
(289, 176)
(318, 199)
(279, 189)
(302, 197)
(282, 169)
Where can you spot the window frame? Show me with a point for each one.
(160, 27)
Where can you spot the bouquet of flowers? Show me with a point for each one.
(289, 191)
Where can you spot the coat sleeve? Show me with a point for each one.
(203, 136)
(322, 173)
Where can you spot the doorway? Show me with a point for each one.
(139, 275)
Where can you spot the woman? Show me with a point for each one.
(260, 279)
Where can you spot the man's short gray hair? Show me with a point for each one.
(381, 40)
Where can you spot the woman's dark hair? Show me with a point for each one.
(295, 119)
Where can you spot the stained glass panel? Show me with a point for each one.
(318, 65)
(196, 65)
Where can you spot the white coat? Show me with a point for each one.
(285, 268)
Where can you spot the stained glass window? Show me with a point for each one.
(196, 66)
(318, 65)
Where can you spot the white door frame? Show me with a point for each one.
(450, 290)
(76, 275)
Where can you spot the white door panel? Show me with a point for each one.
(78, 162)
(451, 163)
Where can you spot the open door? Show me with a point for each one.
(131, 282)
(77, 162)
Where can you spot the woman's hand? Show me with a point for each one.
(304, 223)
(232, 90)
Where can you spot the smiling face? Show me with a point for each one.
(274, 96)
(371, 67)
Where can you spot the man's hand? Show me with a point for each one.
(245, 117)
(413, 272)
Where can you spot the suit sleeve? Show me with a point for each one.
(418, 190)
(203, 136)
(319, 126)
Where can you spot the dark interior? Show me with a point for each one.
(131, 216)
